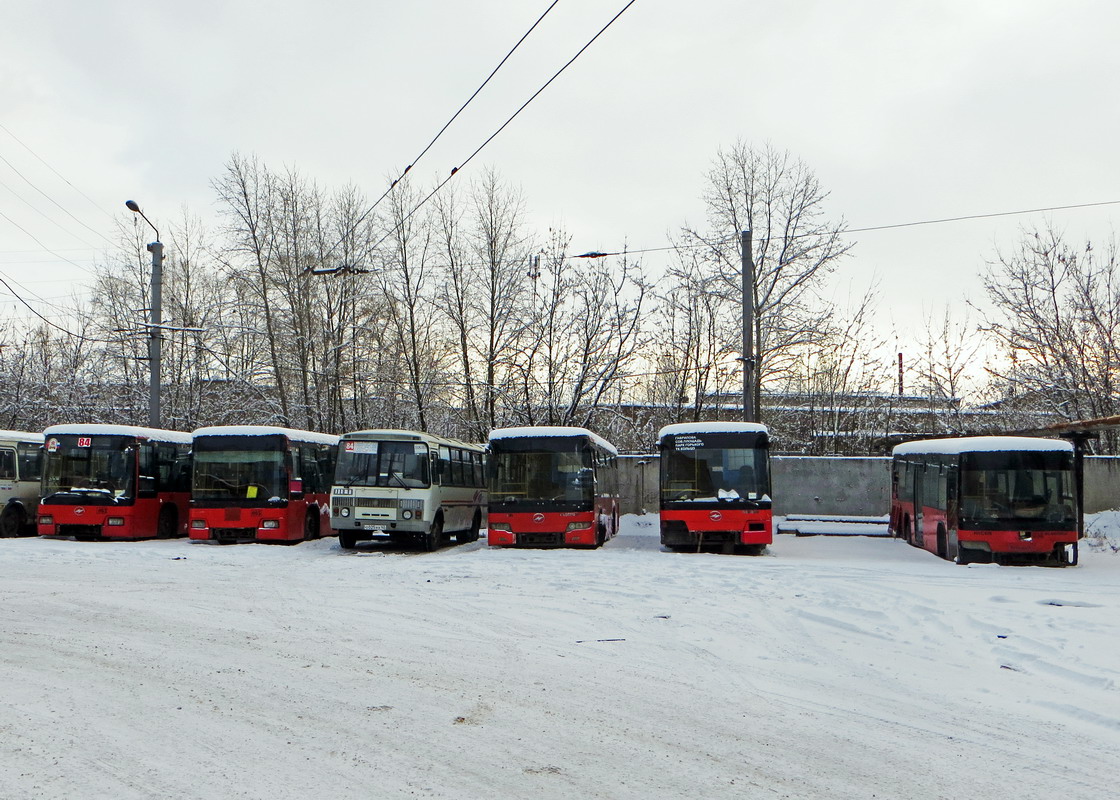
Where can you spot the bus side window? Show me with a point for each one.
(445, 466)
(312, 482)
(181, 473)
(479, 473)
(7, 463)
(326, 458)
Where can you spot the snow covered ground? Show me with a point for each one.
(832, 667)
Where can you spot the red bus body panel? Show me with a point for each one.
(549, 528)
(139, 520)
(244, 524)
(750, 526)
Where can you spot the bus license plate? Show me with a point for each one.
(371, 526)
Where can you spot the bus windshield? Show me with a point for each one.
(542, 472)
(383, 463)
(240, 468)
(712, 468)
(90, 464)
(1018, 486)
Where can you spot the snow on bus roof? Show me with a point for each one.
(22, 436)
(373, 433)
(266, 430)
(980, 444)
(99, 429)
(713, 426)
(550, 430)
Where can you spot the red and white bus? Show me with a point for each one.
(114, 482)
(715, 486)
(999, 499)
(551, 487)
(258, 483)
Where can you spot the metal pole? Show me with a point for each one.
(748, 327)
(155, 332)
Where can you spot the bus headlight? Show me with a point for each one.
(344, 512)
(115, 522)
(270, 523)
(500, 526)
(45, 520)
(406, 514)
(198, 523)
(579, 526)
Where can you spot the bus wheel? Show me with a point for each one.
(476, 528)
(942, 543)
(347, 541)
(434, 537)
(311, 526)
(11, 522)
(168, 524)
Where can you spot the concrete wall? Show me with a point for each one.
(838, 485)
(822, 485)
(1102, 483)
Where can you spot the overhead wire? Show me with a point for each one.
(34, 311)
(501, 128)
(86, 270)
(52, 200)
(446, 125)
(938, 221)
(56, 172)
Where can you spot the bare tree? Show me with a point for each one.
(779, 199)
(949, 349)
(1057, 315)
(406, 279)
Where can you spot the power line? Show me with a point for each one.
(980, 216)
(52, 252)
(52, 324)
(56, 172)
(941, 220)
(502, 127)
(446, 125)
(56, 203)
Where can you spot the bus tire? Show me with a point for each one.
(347, 541)
(434, 537)
(476, 528)
(12, 520)
(168, 525)
(311, 525)
(942, 542)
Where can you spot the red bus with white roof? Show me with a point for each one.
(715, 486)
(999, 499)
(551, 487)
(114, 482)
(259, 483)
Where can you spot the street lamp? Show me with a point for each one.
(156, 321)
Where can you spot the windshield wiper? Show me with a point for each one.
(400, 480)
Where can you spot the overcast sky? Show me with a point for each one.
(906, 111)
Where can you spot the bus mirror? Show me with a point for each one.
(147, 486)
(295, 488)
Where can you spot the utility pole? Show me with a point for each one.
(748, 327)
(155, 325)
